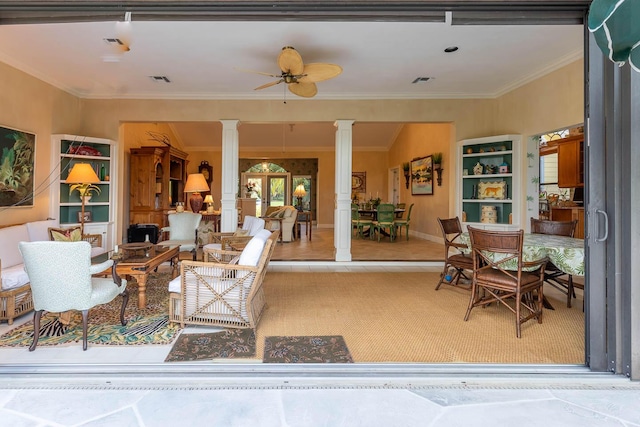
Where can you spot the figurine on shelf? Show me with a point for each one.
(490, 169)
(478, 169)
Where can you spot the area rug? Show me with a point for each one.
(318, 349)
(228, 344)
(144, 326)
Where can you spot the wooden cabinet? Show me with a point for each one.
(569, 214)
(158, 175)
(571, 162)
(488, 179)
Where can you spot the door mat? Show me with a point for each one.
(144, 326)
(302, 349)
(228, 344)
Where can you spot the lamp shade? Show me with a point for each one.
(196, 183)
(82, 173)
(300, 191)
(208, 198)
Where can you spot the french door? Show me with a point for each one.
(270, 189)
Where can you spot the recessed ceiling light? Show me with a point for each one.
(160, 79)
(451, 49)
(421, 80)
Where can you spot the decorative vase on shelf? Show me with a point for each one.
(478, 169)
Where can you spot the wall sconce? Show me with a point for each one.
(439, 175)
(407, 175)
(437, 166)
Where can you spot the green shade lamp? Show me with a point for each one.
(83, 177)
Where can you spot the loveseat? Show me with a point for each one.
(15, 293)
(289, 214)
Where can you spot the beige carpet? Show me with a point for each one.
(399, 317)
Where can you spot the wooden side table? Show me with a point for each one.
(306, 217)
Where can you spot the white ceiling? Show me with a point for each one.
(201, 59)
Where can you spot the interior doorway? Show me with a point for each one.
(269, 189)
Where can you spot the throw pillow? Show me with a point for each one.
(65, 234)
(275, 214)
(282, 213)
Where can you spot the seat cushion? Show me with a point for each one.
(14, 277)
(174, 285)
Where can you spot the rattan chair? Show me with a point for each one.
(500, 275)
(384, 221)
(399, 223)
(553, 275)
(459, 260)
(358, 223)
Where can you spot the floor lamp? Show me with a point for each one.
(300, 192)
(195, 184)
(83, 177)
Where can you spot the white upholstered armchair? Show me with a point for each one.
(183, 231)
(61, 280)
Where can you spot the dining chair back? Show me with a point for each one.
(500, 275)
(62, 279)
(400, 215)
(456, 255)
(358, 223)
(384, 221)
(399, 223)
(553, 275)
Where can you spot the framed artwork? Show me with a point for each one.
(422, 176)
(87, 216)
(17, 154)
(492, 190)
(358, 182)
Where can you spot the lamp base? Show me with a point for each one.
(299, 207)
(196, 201)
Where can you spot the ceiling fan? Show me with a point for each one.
(300, 78)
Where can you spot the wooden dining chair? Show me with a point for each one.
(500, 275)
(358, 223)
(384, 221)
(553, 275)
(454, 257)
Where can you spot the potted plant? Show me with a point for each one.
(437, 160)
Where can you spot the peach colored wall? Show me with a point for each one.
(375, 164)
(420, 140)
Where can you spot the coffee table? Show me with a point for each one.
(137, 260)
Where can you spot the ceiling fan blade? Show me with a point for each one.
(244, 70)
(317, 72)
(306, 90)
(269, 84)
(290, 61)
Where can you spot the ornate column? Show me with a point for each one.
(230, 150)
(342, 214)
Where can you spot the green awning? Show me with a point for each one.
(616, 27)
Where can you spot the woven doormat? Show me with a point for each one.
(232, 343)
(301, 349)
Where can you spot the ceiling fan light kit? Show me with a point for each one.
(300, 78)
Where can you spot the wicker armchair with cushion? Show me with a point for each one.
(61, 276)
(232, 241)
(459, 260)
(552, 274)
(223, 294)
(497, 279)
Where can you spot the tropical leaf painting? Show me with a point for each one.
(17, 153)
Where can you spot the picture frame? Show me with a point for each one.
(492, 190)
(88, 217)
(359, 182)
(18, 170)
(422, 176)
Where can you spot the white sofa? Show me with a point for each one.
(15, 293)
(289, 214)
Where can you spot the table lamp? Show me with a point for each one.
(209, 201)
(300, 192)
(195, 184)
(82, 177)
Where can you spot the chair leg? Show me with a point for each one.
(571, 293)
(125, 300)
(85, 318)
(36, 329)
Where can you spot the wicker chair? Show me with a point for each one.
(358, 223)
(404, 222)
(232, 241)
(61, 276)
(459, 261)
(496, 279)
(384, 221)
(553, 275)
(223, 294)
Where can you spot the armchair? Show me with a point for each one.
(61, 280)
(183, 231)
(234, 241)
(458, 260)
(285, 216)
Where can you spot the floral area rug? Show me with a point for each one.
(231, 343)
(319, 349)
(144, 326)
